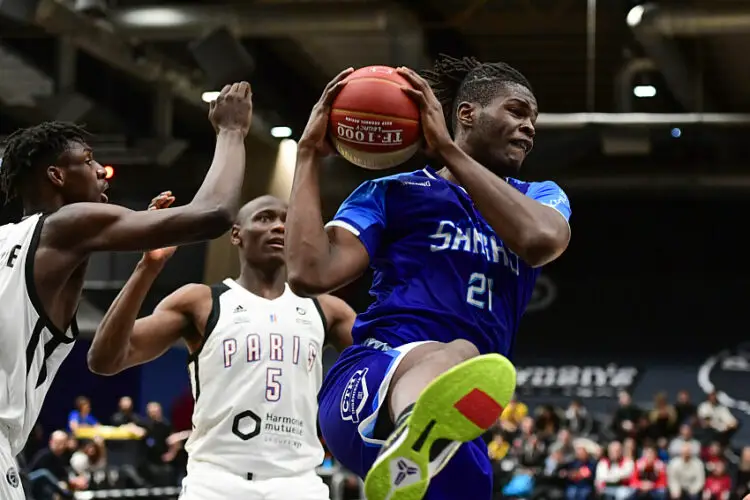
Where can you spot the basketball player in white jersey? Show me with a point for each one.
(65, 218)
(255, 363)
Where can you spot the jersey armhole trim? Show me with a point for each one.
(213, 318)
(34, 295)
(344, 225)
(322, 315)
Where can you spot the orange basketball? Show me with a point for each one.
(374, 124)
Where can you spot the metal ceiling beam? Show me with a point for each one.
(648, 23)
(104, 43)
(695, 22)
(256, 20)
(579, 120)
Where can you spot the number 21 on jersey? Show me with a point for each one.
(479, 293)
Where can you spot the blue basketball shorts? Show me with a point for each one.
(350, 400)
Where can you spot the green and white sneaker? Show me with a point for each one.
(458, 406)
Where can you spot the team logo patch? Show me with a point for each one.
(12, 477)
(355, 396)
(728, 373)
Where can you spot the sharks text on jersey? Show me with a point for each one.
(451, 236)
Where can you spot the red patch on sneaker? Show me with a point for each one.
(479, 408)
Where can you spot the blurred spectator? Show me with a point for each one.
(81, 416)
(685, 438)
(498, 447)
(547, 422)
(662, 418)
(626, 417)
(630, 448)
(580, 475)
(525, 433)
(91, 457)
(713, 455)
(662, 445)
(71, 446)
(551, 482)
(650, 476)
(578, 420)
(564, 444)
(125, 413)
(159, 453)
(531, 454)
(717, 419)
(613, 474)
(686, 410)
(512, 415)
(742, 487)
(48, 471)
(685, 475)
(718, 483)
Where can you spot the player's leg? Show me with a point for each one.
(441, 395)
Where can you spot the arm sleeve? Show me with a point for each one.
(363, 214)
(551, 195)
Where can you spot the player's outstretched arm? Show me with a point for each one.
(532, 228)
(318, 261)
(340, 319)
(121, 340)
(87, 227)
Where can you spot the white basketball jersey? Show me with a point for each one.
(31, 347)
(255, 382)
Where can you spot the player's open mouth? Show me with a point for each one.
(277, 243)
(524, 145)
(104, 198)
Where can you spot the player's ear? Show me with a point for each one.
(56, 175)
(235, 238)
(466, 114)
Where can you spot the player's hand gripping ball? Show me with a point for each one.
(374, 124)
(160, 255)
(315, 136)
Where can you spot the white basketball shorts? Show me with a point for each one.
(209, 482)
(10, 480)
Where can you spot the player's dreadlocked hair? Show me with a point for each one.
(466, 79)
(29, 148)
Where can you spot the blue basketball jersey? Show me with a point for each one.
(440, 271)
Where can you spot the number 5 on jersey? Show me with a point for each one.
(479, 293)
(273, 384)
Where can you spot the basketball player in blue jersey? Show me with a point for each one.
(456, 249)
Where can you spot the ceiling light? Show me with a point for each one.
(281, 132)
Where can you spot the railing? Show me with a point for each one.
(162, 493)
(337, 484)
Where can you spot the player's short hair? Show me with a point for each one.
(31, 148)
(467, 79)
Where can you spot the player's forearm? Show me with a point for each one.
(308, 249)
(222, 188)
(110, 348)
(525, 226)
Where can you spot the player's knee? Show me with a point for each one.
(461, 350)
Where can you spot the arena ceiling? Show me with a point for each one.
(112, 71)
